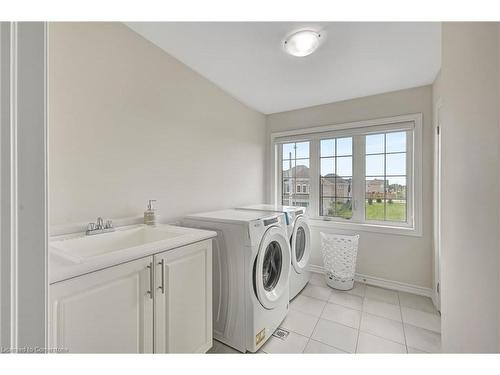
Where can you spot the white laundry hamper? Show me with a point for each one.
(339, 258)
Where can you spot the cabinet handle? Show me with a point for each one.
(162, 286)
(150, 291)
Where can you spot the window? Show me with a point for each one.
(385, 175)
(336, 177)
(365, 175)
(294, 173)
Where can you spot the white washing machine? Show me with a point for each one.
(251, 269)
(300, 241)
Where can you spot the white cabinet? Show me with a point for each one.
(183, 300)
(113, 310)
(107, 311)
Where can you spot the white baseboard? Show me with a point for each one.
(384, 283)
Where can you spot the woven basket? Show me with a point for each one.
(339, 258)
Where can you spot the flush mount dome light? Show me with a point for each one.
(302, 43)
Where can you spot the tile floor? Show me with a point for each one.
(365, 319)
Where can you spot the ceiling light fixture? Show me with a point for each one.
(302, 43)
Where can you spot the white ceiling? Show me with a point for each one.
(356, 59)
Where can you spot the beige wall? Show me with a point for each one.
(470, 258)
(129, 123)
(393, 257)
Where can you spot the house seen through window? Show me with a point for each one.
(360, 177)
(295, 175)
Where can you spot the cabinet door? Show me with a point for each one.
(183, 299)
(107, 311)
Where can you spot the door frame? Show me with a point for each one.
(438, 133)
(23, 187)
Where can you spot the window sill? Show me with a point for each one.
(365, 227)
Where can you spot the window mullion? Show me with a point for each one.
(314, 173)
(410, 179)
(277, 190)
(358, 178)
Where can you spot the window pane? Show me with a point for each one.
(327, 166)
(327, 147)
(344, 146)
(344, 187)
(299, 199)
(288, 151)
(328, 187)
(302, 168)
(288, 168)
(286, 200)
(395, 142)
(344, 166)
(396, 188)
(343, 207)
(302, 150)
(327, 207)
(374, 209)
(375, 165)
(395, 210)
(395, 164)
(288, 185)
(374, 144)
(302, 186)
(375, 187)
(295, 174)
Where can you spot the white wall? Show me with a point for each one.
(393, 257)
(130, 123)
(469, 88)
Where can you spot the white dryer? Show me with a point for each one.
(300, 242)
(251, 269)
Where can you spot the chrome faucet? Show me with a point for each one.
(99, 227)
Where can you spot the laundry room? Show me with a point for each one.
(251, 187)
(124, 128)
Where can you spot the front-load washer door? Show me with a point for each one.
(300, 244)
(272, 268)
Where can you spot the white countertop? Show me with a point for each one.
(62, 268)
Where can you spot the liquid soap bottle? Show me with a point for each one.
(150, 214)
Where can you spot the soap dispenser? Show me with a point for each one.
(150, 214)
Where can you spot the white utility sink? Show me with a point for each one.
(82, 248)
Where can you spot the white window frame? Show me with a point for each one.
(411, 123)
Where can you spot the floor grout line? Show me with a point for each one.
(362, 311)
(402, 323)
(308, 341)
(359, 326)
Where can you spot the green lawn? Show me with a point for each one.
(342, 210)
(395, 211)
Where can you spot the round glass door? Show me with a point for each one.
(272, 268)
(301, 244)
